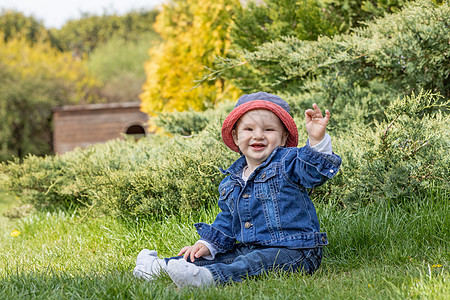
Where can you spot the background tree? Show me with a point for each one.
(36, 78)
(264, 21)
(194, 33)
(16, 25)
(356, 75)
(115, 48)
(119, 64)
(82, 36)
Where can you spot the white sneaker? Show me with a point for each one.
(184, 274)
(148, 265)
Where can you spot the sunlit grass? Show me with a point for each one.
(382, 251)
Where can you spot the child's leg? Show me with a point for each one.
(260, 260)
(185, 273)
(149, 266)
(245, 261)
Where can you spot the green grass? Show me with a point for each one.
(7, 202)
(382, 251)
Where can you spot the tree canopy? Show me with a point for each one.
(194, 33)
(90, 31)
(36, 78)
(16, 25)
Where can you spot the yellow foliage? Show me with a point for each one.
(195, 32)
(40, 58)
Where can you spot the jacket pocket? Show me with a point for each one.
(267, 184)
(226, 195)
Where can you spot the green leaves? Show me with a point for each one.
(400, 157)
(194, 33)
(157, 176)
(354, 75)
(36, 78)
(91, 31)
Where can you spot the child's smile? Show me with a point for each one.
(257, 146)
(258, 132)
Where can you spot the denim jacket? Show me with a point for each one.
(272, 208)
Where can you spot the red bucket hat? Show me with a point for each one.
(260, 100)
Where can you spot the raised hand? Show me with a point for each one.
(316, 124)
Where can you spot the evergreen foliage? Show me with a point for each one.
(126, 178)
(264, 21)
(403, 156)
(355, 75)
(397, 158)
(191, 122)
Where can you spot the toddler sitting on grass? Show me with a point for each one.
(267, 221)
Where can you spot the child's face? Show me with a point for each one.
(257, 133)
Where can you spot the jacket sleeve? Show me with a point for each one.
(310, 168)
(219, 233)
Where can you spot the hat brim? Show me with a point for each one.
(233, 117)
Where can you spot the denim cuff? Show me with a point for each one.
(326, 164)
(214, 236)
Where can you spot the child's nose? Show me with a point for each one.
(258, 134)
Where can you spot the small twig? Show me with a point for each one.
(389, 127)
(215, 73)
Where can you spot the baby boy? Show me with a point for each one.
(267, 221)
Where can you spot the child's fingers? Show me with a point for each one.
(327, 115)
(195, 249)
(202, 251)
(192, 255)
(184, 250)
(317, 109)
(187, 253)
(309, 114)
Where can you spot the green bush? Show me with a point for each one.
(256, 23)
(355, 75)
(398, 158)
(192, 122)
(122, 74)
(157, 176)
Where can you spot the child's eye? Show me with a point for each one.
(270, 129)
(248, 128)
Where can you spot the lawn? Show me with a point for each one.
(7, 204)
(381, 251)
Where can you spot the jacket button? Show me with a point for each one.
(245, 196)
(247, 225)
(263, 176)
(324, 239)
(223, 193)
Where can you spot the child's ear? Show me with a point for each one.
(284, 138)
(235, 136)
